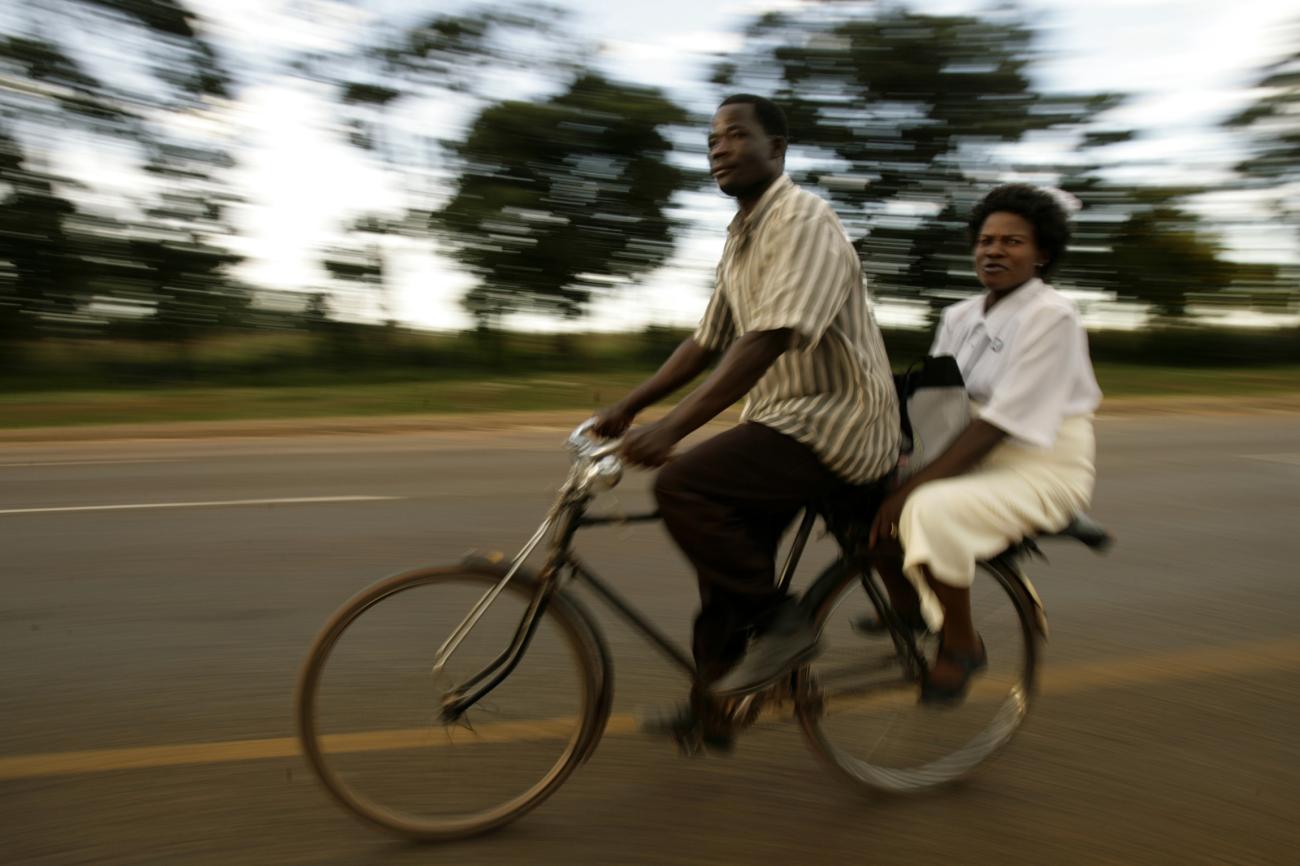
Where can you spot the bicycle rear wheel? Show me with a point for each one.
(859, 707)
(369, 705)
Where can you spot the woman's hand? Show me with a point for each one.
(884, 529)
(965, 453)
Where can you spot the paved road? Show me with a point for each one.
(1165, 733)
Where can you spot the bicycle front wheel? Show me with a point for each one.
(369, 704)
(859, 704)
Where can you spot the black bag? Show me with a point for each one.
(934, 409)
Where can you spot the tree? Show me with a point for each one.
(558, 198)
(46, 91)
(902, 113)
(186, 270)
(1272, 123)
(445, 55)
(44, 278)
(358, 270)
(1160, 255)
(447, 59)
(187, 276)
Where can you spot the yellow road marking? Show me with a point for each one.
(1185, 664)
(1245, 658)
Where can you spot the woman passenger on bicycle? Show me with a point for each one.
(1025, 463)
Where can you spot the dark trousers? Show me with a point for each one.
(726, 503)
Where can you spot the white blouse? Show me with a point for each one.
(1026, 361)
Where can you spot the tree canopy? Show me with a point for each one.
(562, 183)
(904, 110)
(161, 249)
(1272, 124)
(556, 198)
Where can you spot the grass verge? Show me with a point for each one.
(562, 391)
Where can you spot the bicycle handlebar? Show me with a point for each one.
(586, 448)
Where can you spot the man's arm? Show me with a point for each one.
(686, 362)
(741, 368)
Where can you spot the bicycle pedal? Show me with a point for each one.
(689, 745)
(694, 744)
(697, 745)
(744, 711)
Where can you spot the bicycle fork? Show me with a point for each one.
(458, 700)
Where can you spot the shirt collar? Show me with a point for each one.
(1006, 309)
(743, 225)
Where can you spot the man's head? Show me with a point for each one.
(747, 142)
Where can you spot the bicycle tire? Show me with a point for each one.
(571, 623)
(941, 768)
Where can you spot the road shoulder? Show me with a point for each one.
(501, 422)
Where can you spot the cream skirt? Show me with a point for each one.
(1016, 491)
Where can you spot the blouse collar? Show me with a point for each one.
(1007, 308)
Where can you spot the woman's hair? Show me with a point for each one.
(1037, 207)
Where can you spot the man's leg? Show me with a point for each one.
(720, 633)
(726, 503)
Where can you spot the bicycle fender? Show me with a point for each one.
(1040, 612)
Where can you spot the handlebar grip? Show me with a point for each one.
(582, 444)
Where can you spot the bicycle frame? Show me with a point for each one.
(562, 560)
(596, 467)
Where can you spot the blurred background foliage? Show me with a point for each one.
(901, 119)
(553, 199)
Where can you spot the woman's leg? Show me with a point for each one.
(901, 594)
(958, 635)
(948, 525)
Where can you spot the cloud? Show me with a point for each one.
(755, 8)
(301, 181)
(670, 50)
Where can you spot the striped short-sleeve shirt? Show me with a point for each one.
(789, 264)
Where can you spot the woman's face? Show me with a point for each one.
(1006, 255)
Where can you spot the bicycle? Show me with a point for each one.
(856, 703)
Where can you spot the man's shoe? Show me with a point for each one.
(788, 643)
(691, 730)
(872, 624)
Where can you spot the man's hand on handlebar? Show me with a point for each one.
(650, 445)
(613, 422)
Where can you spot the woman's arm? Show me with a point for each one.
(967, 450)
(970, 447)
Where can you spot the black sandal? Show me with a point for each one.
(953, 695)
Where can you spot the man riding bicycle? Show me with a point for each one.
(789, 319)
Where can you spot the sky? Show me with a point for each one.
(1187, 64)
